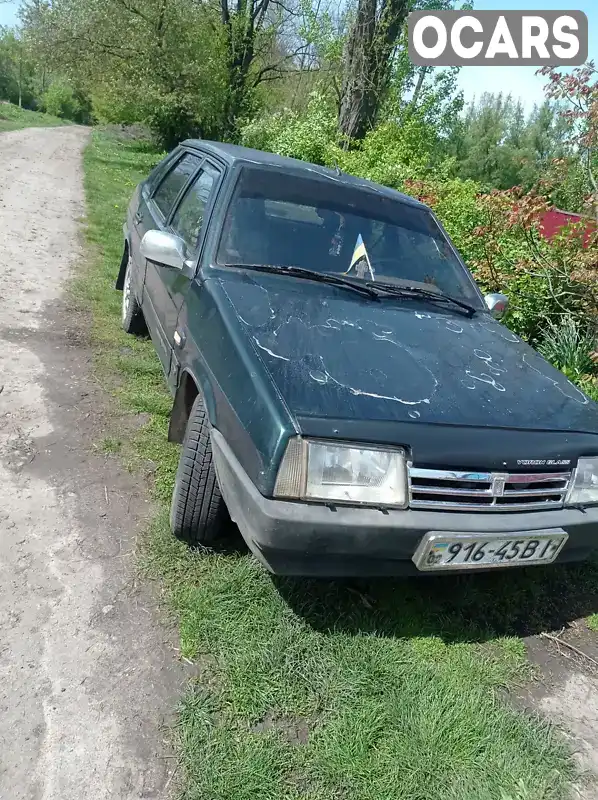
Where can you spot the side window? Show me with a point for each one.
(161, 168)
(188, 217)
(174, 181)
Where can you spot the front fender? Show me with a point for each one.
(190, 385)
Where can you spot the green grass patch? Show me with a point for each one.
(111, 445)
(13, 118)
(592, 622)
(126, 365)
(325, 690)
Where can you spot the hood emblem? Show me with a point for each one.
(499, 480)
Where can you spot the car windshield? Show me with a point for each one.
(285, 220)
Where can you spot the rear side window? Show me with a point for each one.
(160, 169)
(188, 217)
(177, 177)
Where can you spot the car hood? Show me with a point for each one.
(334, 354)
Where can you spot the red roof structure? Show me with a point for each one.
(555, 219)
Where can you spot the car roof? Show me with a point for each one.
(235, 154)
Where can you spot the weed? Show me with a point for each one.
(568, 347)
(110, 445)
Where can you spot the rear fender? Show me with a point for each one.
(120, 281)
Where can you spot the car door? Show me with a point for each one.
(188, 222)
(155, 215)
(140, 219)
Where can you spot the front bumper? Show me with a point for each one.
(294, 538)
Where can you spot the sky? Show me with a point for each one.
(521, 82)
(8, 13)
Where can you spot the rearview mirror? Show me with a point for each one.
(497, 304)
(163, 248)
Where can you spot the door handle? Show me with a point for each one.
(138, 218)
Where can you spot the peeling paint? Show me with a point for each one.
(496, 329)
(575, 394)
(386, 397)
(333, 354)
(485, 378)
(490, 365)
(274, 355)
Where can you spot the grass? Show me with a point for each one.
(316, 690)
(110, 445)
(13, 118)
(592, 622)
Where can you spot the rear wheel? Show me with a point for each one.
(198, 512)
(132, 315)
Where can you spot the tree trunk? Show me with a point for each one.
(418, 88)
(21, 80)
(241, 25)
(237, 94)
(367, 64)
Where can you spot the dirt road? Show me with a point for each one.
(86, 673)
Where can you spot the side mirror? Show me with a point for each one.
(497, 304)
(163, 248)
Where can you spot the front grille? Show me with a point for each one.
(486, 491)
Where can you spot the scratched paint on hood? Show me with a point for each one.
(331, 353)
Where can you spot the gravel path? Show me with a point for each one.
(87, 674)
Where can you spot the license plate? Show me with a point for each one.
(446, 551)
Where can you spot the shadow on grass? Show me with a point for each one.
(465, 608)
(472, 607)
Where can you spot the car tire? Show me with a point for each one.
(198, 511)
(131, 315)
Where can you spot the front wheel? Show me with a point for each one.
(198, 512)
(132, 316)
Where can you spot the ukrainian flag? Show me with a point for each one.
(360, 253)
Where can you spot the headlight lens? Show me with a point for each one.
(343, 473)
(584, 490)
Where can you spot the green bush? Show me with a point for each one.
(308, 136)
(390, 154)
(568, 346)
(60, 101)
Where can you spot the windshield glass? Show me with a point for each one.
(278, 218)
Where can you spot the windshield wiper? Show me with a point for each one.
(417, 292)
(312, 275)
(371, 289)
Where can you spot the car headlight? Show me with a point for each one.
(343, 473)
(584, 489)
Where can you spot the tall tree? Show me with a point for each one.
(367, 64)
(16, 69)
(254, 52)
(153, 61)
(487, 124)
